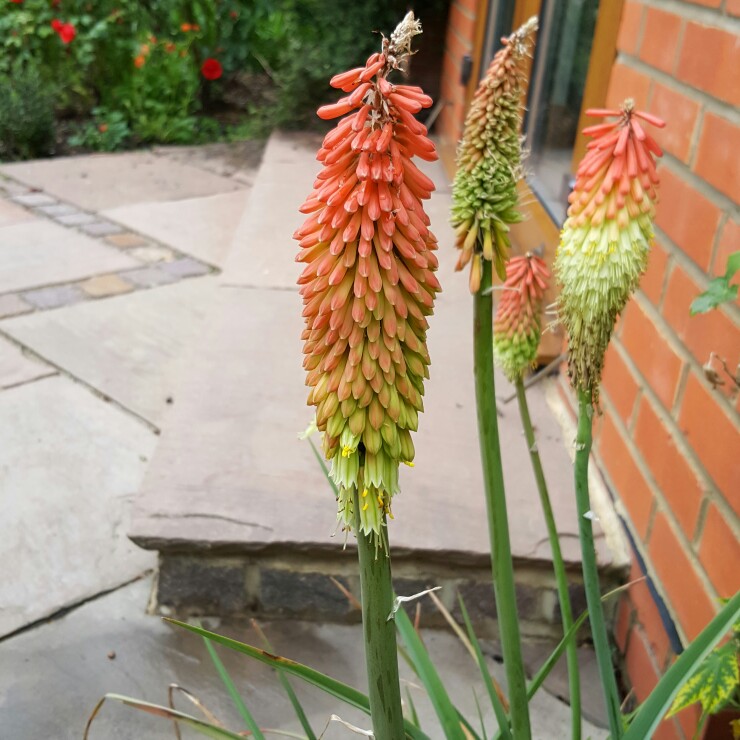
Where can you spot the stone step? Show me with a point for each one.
(236, 504)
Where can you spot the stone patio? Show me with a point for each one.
(149, 351)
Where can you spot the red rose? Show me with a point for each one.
(212, 69)
(67, 33)
(17, 2)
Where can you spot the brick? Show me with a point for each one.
(629, 27)
(619, 384)
(152, 253)
(647, 615)
(719, 553)
(105, 285)
(102, 228)
(307, 595)
(202, 586)
(78, 218)
(640, 666)
(660, 39)
(455, 46)
(713, 436)
(733, 7)
(54, 296)
(33, 200)
(704, 333)
(651, 283)
(126, 240)
(691, 603)
(680, 487)
(709, 60)
(654, 358)
(148, 277)
(716, 159)
(185, 267)
(462, 23)
(623, 623)
(57, 209)
(706, 3)
(687, 217)
(630, 484)
(680, 112)
(626, 82)
(729, 242)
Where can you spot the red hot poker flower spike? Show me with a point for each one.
(369, 283)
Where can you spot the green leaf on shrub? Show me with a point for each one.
(713, 683)
(719, 290)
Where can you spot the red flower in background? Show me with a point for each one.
(66, 31)
(17, 2)
(212, 69)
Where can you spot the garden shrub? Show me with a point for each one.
(26, 117)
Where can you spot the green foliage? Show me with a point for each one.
(719, 290)
(26, 117)
(713, 684)
(108, 131)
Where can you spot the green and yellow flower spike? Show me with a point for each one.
(605, 240)
(484, 197)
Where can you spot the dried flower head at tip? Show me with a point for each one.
(368, 284)
(516, 326)
(606, 238)
(489, 160)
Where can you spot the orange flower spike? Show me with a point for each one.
(368, 283)
(605, 241)
(516, 326)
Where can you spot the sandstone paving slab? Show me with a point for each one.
(100, 181)
(17, 368)
(39, 252)
(51, 677)
(244, 481)
(263, 249)
(202, 227)
(126, 347)
(69, 464)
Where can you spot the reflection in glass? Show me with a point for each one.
(555, 97)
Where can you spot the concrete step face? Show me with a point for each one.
(236, 504)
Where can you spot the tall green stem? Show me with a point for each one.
(590, 569)
(498, 524)
(380, 635)
(561, 577)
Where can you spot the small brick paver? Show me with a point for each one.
(57, 209)
(185, 267)
(34, 199)
(12, 304)
(149, 277)
(126, 240)
(102, 228)
(152, 254)
(54, 296)
(77, 218)
(105, 285)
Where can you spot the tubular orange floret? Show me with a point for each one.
(368, 283)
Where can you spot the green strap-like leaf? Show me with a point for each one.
(241, 707)
(655, 706)
(712, 684)
(199, 725)
(498, 707)
(329, 685)
(446, 712)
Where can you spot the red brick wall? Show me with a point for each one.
(668, 443)
(458, 42)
